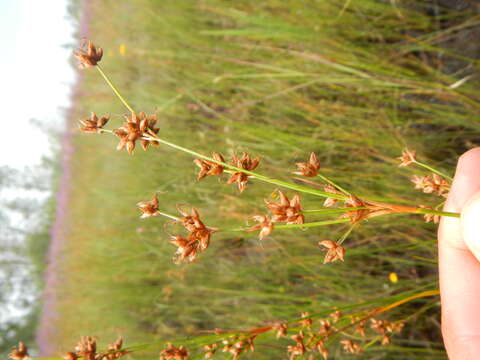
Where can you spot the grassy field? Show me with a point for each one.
(354, 81)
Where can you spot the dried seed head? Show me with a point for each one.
(385, 340)
(70, 356)
(329, 202)
(115, 350)
(19, 353)
(310, 168)
(265, 226)
(244, 162)
(432, 184)
(149, 208)
(137, 127)
(210, 350)
(407, 158)
(320, 346)
(87, 348)
(88, 55)
(94, 124)
(172, 352)
(306, 320)
(334, 251)
(351, 347)
(336, 315)
(325, 328)
(281, 329)
(197, 240)
(209, 167)
(360, 328)
(285, 210)
(299, 348)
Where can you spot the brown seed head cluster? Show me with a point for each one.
(137, 127)
(407, 158)
(334, 251)
(172, 352)
(19, 353)
(210, 168)
(87, 349)
(299, 348)
(311, 338)
(94, 124)
(329, 201)
(88, 55)
(310, 168)
(285, 210)
(197, 240)
(244, 162)
(238, 345)
(432, 184)
(210, 350)
(306, 320)
(351, 347)
(265, 225)
(115, 350)
(385, 328)
(281, 329)
(149, 208)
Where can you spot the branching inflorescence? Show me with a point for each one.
(286, 212)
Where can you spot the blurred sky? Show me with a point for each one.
(35, 75)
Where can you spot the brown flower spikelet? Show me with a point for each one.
(115, 350)
(351, 347)
(432, 184)
(407, 158)
(19, 353)
(172, 352)
(197, 240)
(329, 202)
(334, 251)
(88, 55)
(87, 348)
(149, 208)
(285, 210)
(134, 128)
(244, 162)
(94, 124)
(310, 168)
(209, 167)
(70, 356)
(265, 226)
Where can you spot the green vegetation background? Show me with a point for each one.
(354, 81)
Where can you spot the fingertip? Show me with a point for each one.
(466, 182)
(470, 223)
(469, 157)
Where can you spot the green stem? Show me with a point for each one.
(295, 226)
(260, 177)
(333, 211)
(344, 236)
(114, 89)
(327, 180)
(425, 166)
(168, 215)
(434, 212)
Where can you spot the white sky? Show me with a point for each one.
(35, 75)
(35, 81)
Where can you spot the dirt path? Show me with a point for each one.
(46, 327)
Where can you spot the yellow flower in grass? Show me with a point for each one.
(122, 49)
(393, 277)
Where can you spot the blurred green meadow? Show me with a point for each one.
(353, 81)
